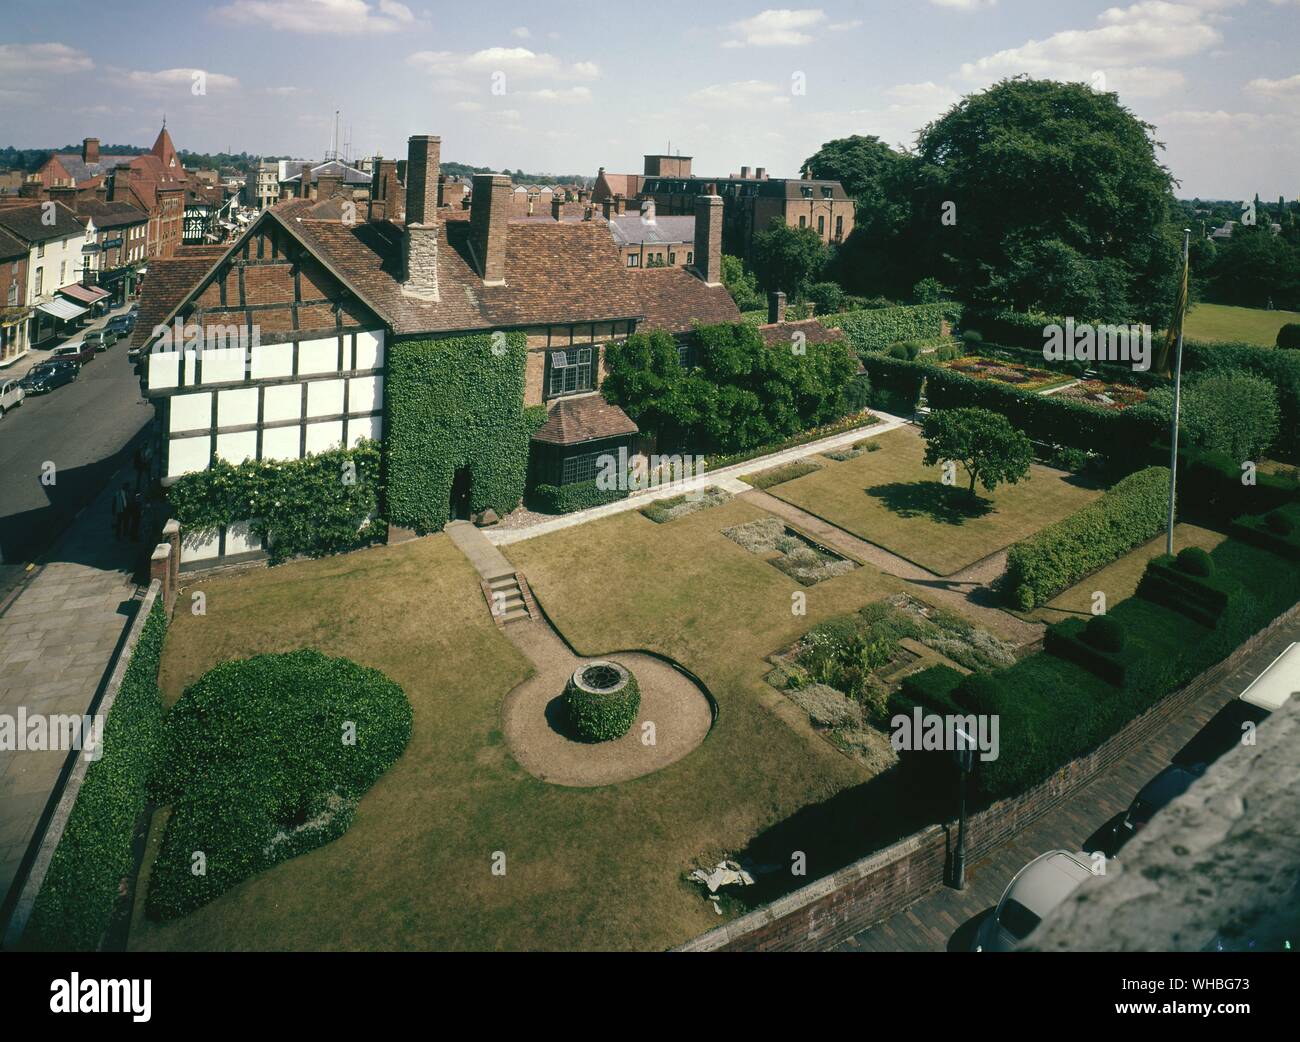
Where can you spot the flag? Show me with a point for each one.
(1164, 360)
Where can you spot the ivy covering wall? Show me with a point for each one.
(323, 504)
(456, 403)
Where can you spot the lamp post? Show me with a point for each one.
(964, 755)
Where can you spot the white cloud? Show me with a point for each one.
(513, 61)
(781, 27)
(20, 62)
(839, 27)
(741, 92)
(1289, 87)
(927, 95)
(520, 32)
(173, 79)
(564, 94)
(1120, 47)
(321, 17)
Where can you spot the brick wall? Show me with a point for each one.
(836, 907)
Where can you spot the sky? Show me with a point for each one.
(569, 87)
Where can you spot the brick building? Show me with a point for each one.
(645, 240)
(15, 311)
(328, 298)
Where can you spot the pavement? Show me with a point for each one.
(947, 919)
(86, 429)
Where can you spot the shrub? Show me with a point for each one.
(780, 475)
(827, 296)
(1104, 633)
(1225, 411)
(827, 707)
(908, 349)
(1289, 336)
(1280, 523)
(323, 504)
(564, 499)
(267, 758)
(1195, 561)
(605, 705)
(933, 688)
(1210, 488)
(1058, 556)
(972, 338)
(875, 329)
(94, 854)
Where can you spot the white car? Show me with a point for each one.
(1038, 888)
(11, 395)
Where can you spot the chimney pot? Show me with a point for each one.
(761, 173)
(745, 172)
(775, 307)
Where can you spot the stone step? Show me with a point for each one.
(502, 606)
(514, 616)
(499, 578)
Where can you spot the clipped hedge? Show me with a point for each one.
(876, 328)
(1056, 557)
(267, 758)
(323, 504)
(1278, 532)
(94, 854)
(601, 716)
(564, 499)
(456, 403)
(1202, 596)
(1210, 488)
(933, 687)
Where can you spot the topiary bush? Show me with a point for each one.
(602, 699)
(1104, 633)
(264, 759)
(1289, 336)
(1195, 561)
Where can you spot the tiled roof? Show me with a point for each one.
(81, 171)
(778, 334)
(589, 417)
(555, 272)
(674, 300)
(168, 283)
(630, 230)
(11, 247)
(110, 215)
(26, 222)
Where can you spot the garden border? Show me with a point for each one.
(835, 907)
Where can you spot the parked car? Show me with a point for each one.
(103, 339)
(79, 352)
(11, 395)
(1037, 889)
(121, 324)
(45, 376)
(1155, 795)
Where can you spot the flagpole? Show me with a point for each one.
(1178, 387)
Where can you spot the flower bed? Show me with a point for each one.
(1024, 377)
(1103, 394)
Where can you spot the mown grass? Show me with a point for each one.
(1248, 325)
(892, 499)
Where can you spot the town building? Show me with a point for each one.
(121, 242)
(331, 173)
(645, 240)
(15, 312)
(60, 255)
(330, 299)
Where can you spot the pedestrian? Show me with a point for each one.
(141, 467)
(121, 502)
(134, 512)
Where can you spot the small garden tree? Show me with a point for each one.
(788, 259)
(982, 441)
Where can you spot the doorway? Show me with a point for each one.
(461, 485)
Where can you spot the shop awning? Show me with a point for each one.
(84, 294)
(62, 309)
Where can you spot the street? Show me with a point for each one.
(86, 429)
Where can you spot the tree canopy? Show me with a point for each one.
(984, 442)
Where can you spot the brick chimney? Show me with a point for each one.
(775, 308)
(90, 150)
(420, 237)
(620, 204)
(745, 173)
(32, 188)
(557, 206)
(328, 186)
(607, 208)
(708, 239)
(489, 221)
(761, 173)
(304, 181)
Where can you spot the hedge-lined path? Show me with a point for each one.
(945, 918)
(533, 715)
(58, 639)
(960, 592)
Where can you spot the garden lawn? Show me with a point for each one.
(585, 868)
(1119, 580)
(1249, 325)
(892, 499)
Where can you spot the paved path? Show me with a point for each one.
(964, 591)
(726, 478)
(945, 919)
(57, 639)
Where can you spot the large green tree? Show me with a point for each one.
(982, 441)
(788, 259)
(1033, 171)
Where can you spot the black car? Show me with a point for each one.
(1156, 794)
(44, 377)
(121, 324)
